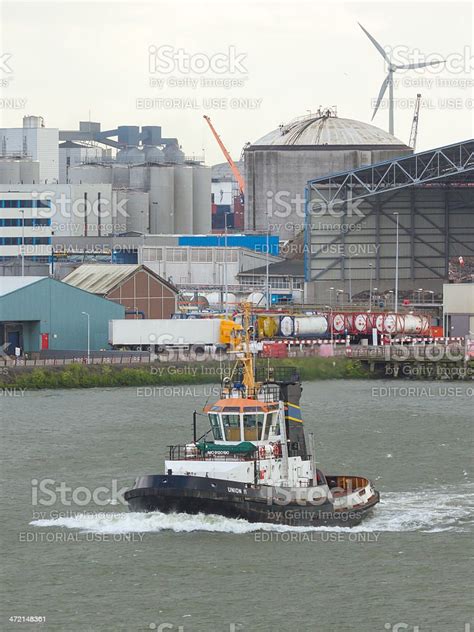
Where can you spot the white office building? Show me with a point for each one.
(25, 227)
(35, 142)
(79, 210)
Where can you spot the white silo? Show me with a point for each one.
(120, 176)
(140, 177)
(90, 174)
(138, 219)
(10, 172)
(29, 171)
(201, 200)
(183, 199)
(33, 121)
(161, 199)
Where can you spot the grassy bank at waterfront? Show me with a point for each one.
(93, 376)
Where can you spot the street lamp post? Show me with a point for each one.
(350, 280)
(396, 268)
(370, 290)
(331, 290)
(331, 323)
(88, 336)
(269, 298)
(22, 211)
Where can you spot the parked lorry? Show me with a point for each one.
(159, 335)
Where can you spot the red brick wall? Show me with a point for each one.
(144, 293)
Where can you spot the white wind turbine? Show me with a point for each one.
(388, 81)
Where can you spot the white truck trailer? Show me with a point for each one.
(159, 335)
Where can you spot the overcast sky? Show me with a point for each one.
(111, 61)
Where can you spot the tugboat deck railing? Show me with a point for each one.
(191, 453)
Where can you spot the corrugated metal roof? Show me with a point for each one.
(13, 283)
(100, 279)
(331, 130)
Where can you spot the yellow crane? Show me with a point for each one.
(232, 165)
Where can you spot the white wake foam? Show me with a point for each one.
(435, 510)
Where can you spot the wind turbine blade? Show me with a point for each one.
(381, 93)
(375, 43)
(420, 65)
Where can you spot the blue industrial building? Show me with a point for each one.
(258, 243)
(40, 313)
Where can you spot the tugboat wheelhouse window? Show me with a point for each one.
(216, 426)
(231, 426)
(253, 426)
(271, 417)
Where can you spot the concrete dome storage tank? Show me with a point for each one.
(310, 325)
(201, 200)
(161, 200)
(10, 172)
(306, 148)
(183, 200)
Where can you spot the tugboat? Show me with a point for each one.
(256, 465)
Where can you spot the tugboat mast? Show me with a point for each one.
(247, 359)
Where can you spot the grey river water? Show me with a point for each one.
(86, 566)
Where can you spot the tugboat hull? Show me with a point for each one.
(193, 495)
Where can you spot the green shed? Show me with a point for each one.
(39, 313)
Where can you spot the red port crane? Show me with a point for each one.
(232, 165)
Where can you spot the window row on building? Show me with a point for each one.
(194, 255)
(5, 222)
(27, 241)
(25, 203)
